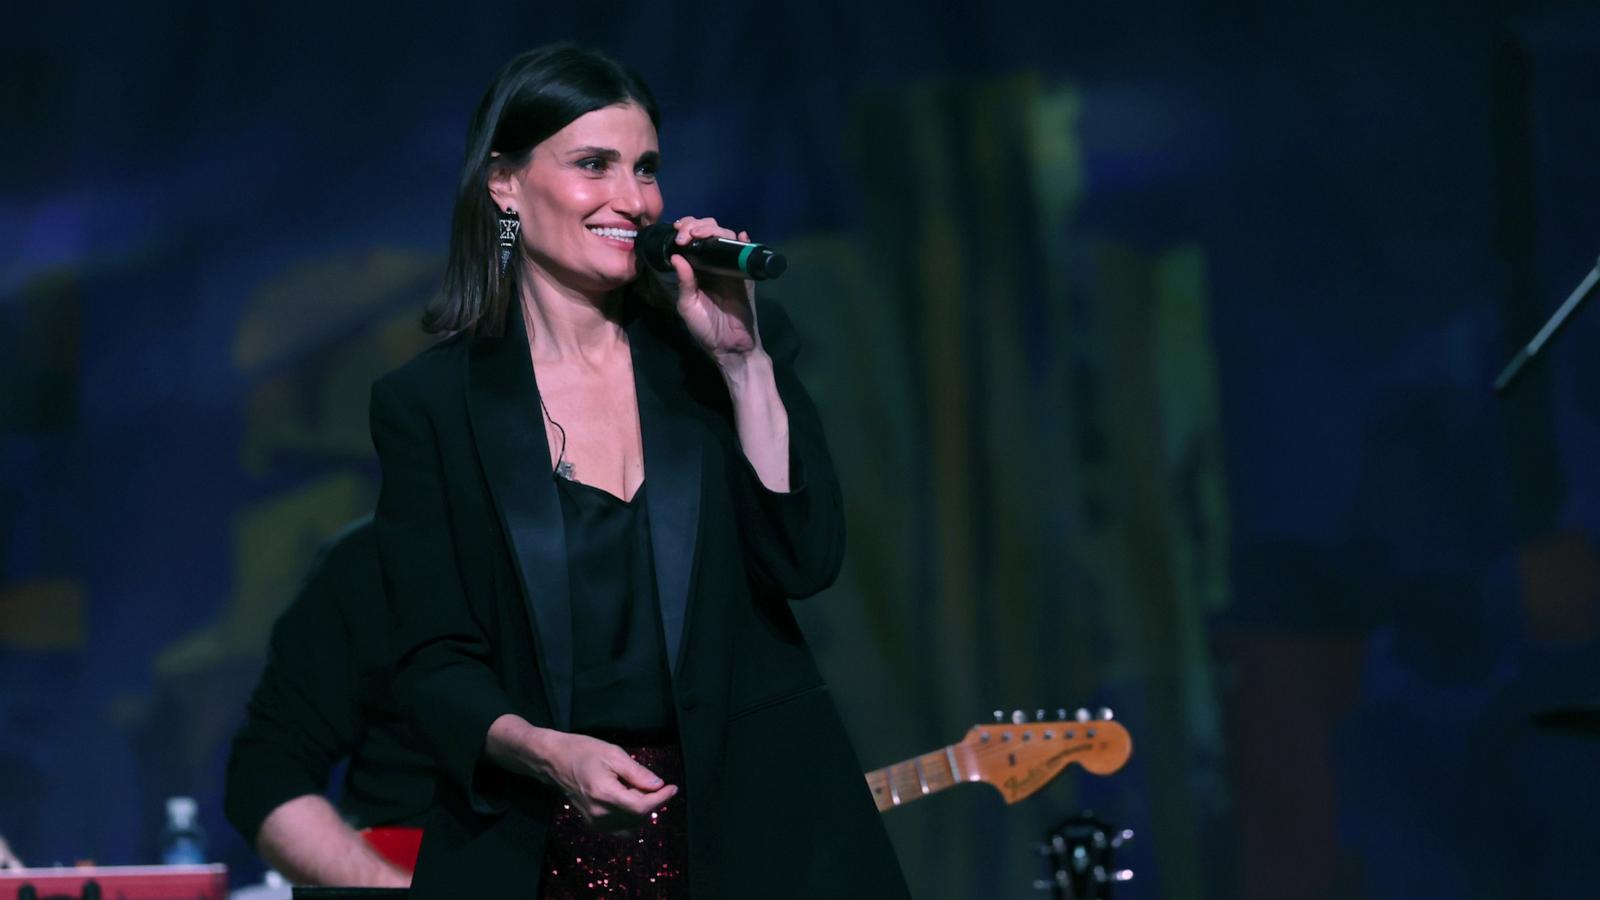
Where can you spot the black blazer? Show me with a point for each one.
(470, 533)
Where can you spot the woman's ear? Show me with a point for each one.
(504, 187)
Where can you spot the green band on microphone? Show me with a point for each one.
(744, 256)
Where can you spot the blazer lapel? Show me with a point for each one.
(672, 464)
(503, 405)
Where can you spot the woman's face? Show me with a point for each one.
(583, 196)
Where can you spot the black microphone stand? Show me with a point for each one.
(1518, 362)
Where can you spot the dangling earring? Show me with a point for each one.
(510, 228)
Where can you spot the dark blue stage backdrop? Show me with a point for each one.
(1153, 338)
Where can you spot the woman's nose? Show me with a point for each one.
(629, 197)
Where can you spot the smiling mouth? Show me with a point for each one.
(616, 234)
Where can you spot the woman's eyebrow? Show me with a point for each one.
(603, 152)
(611, 155)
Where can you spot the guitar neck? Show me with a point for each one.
(919, 776)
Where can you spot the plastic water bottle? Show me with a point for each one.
(183, 843)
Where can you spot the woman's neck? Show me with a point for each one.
(568, 325)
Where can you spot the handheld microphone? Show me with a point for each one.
(655, 246)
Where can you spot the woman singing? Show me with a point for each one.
(599, 495)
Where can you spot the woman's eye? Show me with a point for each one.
(593, 164)
(647, 171)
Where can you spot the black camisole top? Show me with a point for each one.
(621, 685)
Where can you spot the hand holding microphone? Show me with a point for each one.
(716, 269)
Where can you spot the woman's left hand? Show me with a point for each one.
(719, 310)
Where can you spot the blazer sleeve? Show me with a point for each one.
(444, 679)
(794, 540)
(305, 714)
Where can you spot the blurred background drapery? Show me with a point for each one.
(1153, 341)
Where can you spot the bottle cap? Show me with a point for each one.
(181, 811)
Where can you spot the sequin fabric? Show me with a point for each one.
(580, 864)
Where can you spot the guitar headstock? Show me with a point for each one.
(1019, 756)
(1081, 855)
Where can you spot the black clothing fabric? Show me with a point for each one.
(327, 694)
(474, 561)
(620, 683)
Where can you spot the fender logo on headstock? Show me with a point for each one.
(1044, 771)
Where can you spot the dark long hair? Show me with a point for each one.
(536, 95)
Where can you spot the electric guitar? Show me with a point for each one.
(1016, 757)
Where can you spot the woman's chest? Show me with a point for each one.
(591, 423)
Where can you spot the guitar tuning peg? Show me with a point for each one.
(999, 715)
(1018, 717)
(1126, 835)
(1123, 875)
(1061, 714)
(1083, 714)
(1106, 714)
(1038, 715)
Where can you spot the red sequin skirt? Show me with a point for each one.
(580, 864)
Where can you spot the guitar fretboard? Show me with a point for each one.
(920, 776)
